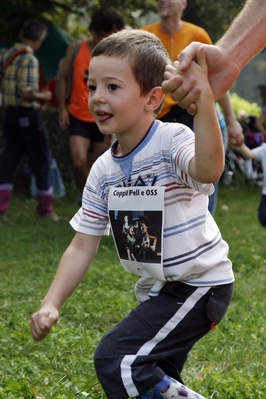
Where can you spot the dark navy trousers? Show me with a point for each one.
(25, 134)
(156, 337)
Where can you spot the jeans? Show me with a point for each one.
(25, 134)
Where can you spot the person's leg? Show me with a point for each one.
(126, 360)
(79, 142)
(262, 211)
(11, 156)
(79, 147)
(99, 143)
(98, 148)
(173, 365)
(36, 141)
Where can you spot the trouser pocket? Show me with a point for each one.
(218, 302)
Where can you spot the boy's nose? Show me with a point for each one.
(98, 96)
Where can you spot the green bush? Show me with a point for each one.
(239, 103)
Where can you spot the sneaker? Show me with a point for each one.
(50, 215)
(168, 388)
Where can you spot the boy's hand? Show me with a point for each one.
(234, 142)
(47, 95)
(222, 73)
(63, 119)
(188, 80)
(188, 91)
(199, 70)
(42, 321)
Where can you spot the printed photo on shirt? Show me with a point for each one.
(137, 235)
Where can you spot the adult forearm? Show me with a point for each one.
(36, 96)
(62, 86)
(225, 103)
(247, 33)
(260, 124)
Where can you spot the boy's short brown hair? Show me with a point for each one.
(145, 52)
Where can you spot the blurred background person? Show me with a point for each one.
(86, 140)
(261, 121)
(23, 129)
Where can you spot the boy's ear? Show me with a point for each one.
(156, 97)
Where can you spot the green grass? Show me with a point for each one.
(229, 363)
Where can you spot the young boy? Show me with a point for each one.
(164, 172)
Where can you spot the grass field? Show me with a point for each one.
(229, 363)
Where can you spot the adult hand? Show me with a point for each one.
(47, 95)
(42, 321)
(235, 133)
(182, 88)
(222, 73)
(63, 119)
(40, 96)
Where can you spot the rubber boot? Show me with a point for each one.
(168, 388)
(5, 197)
(45, 201)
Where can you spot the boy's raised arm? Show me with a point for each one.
(208, 163)
(73, 266)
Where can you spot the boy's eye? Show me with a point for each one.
(113, 87)
(91, 88)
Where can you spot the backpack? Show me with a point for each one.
(69, 74)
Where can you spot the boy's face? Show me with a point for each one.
(115, 99)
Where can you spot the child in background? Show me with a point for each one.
(258, 153)
(144, 354)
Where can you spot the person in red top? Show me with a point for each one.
(87, 143)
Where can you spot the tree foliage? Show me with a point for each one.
(62, 11)
(73, 16)
(213, 15)
(239, 103)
